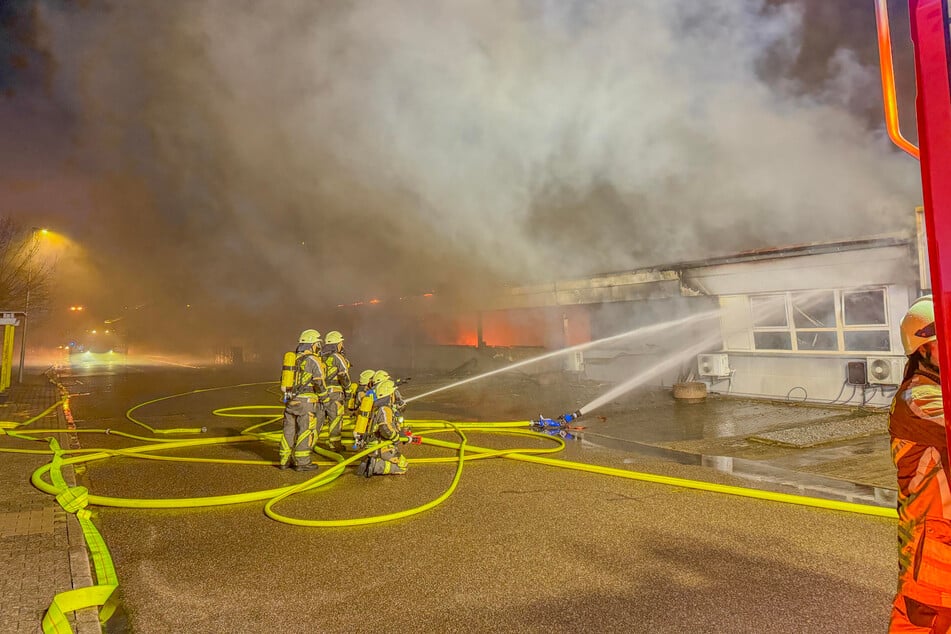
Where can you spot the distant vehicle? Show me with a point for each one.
(98, 341)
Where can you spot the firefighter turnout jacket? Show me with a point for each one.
(920, 452)
(337, 371)
(385, 426)
(310, 380)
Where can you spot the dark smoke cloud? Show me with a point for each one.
(255, 159)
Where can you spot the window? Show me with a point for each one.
(772, 341)
(814, 310)
(863, 314)
(770, 322)
(769, 311)
(816, 340)
(867, 341)
(814, 320)
(854, 320)
(864, 308)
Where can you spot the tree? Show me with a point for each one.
(22, 270)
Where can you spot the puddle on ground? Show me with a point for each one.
(760, 475)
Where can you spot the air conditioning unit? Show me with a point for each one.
(885, 370)
(713, 364)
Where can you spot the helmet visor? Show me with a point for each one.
(927, 331)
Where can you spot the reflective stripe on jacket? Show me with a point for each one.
(383, 421)
(310, 376)
(337, 371)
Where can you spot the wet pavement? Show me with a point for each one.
(518, 546)
(42, 551)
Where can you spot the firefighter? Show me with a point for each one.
(920, 453)
(337, 369)
(385, 429)
(302, 400)
(361, 421)
(382, 375)
(364, 384)
(378, 377)
(365, 404)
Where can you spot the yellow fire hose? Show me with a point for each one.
(9, 424)
(76, 499)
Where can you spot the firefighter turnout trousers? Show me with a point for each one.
(386, 461)
(334, 410)
(300, 429)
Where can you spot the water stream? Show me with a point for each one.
(642, 331)
(673, 360)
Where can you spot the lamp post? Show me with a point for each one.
(26, 310)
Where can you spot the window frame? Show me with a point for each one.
(839, 337)
(786, 328)
(840, 329)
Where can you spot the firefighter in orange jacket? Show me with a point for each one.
(920, 451)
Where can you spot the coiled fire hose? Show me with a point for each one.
(77, 499)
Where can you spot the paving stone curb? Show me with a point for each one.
(39, 553)
(80, 568)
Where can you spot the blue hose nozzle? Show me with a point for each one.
(555, 425)
(572, 416)
(543, 422)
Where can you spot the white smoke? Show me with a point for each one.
(443, 141)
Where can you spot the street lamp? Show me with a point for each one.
(26, 317)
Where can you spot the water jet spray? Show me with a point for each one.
(637, 332)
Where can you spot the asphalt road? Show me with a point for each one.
(518, 547)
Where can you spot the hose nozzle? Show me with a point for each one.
(543, 422)
(572, 416)
(555, 426)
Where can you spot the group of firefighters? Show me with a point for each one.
(318, 393)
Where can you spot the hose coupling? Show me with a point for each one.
(572, 416)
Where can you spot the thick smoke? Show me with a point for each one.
(308, 153)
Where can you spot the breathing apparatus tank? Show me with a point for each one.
(363, 418)
(288, 372)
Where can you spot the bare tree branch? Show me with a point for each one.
(22, 269)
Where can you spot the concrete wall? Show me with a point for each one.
(797, 378)
(620, 367)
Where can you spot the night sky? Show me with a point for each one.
(260, 162)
